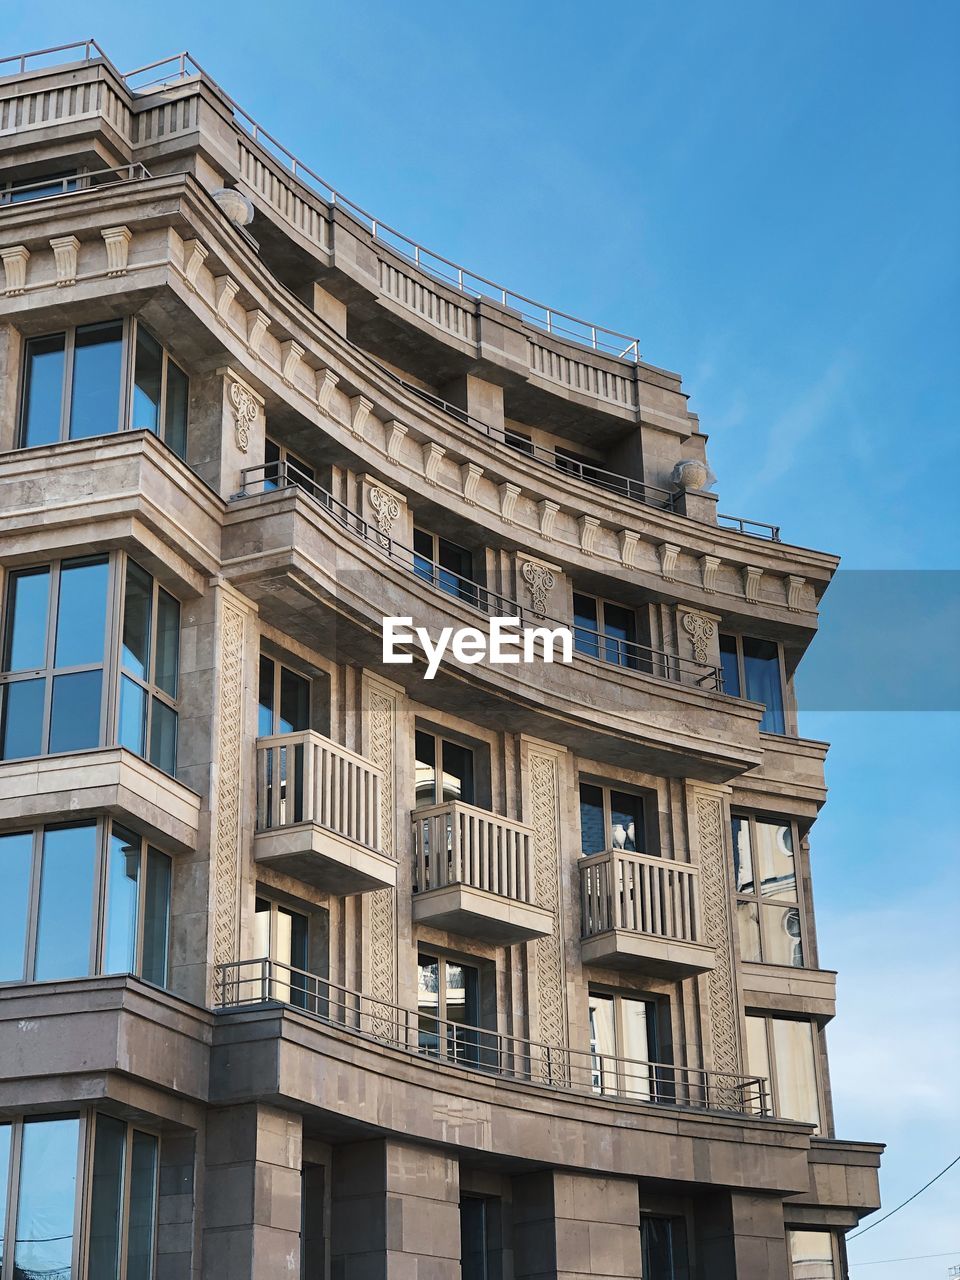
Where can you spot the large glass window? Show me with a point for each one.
(150, 649)
(448, 1001)
(784, 1051)
(444, 564)
(602, 629)
(663, 1248)
(81, 898)
(282, 935)
(624, 1044)
(74, 386)
(284, 700)
(480, 1242)
(813, 1255)
(282, 467)
(753, 668)
(610, 819)
(46, 1187)
(769, 913)
(123, 1201)
(444, 770)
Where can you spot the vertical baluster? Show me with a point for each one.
(308, 781)
(262, 815)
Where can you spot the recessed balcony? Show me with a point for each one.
(642, 913)
(318, 814)
(474, 874)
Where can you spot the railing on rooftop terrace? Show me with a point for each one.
(246, 983)
(26, 61)
(589, 643)
(755, 528)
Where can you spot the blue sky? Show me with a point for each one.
(768, 194)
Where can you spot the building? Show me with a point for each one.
(314, 966)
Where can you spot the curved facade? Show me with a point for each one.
(315, 966)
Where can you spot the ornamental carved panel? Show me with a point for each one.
(720, 981)
(383, 903)
(544, 773)
(226, 832)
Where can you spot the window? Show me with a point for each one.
(313, 1213)
(150, 653)
(283, 468)
(577, 464)
(61, 881)
(605, 630)
(51, 184)
(480, 1238)
(783, 1050)
(74, 386)
(448, 1003)
(753, 669)
(297, 942)
(53, 693)
(444, 770)
(284, 700)
(443, 564)
(123, 1201)
(39, 1170)
(624, 1045)
(520, 441)
(663, 1248)
(813, 1255)
(769, 917)
(610, 819)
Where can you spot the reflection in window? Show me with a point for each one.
(448, 1001)
(605, 630)
(623, 1044)
(64, 918)
(147, 721)
(752, 669)
(769, 920)
(284, 700)
(454, 780)
(610, 819)
(783, 1050)
(123, 1201)
(283, 935)
(663, 1247)
(444, 564)
(47, 1186)
(16, 862)
(95, 383)
(137, 932)
(812, 1255)
(480, 1241)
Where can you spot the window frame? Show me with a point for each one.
(148, 684)
(657, 1008)
(606, 789)
(291, 467)
(440, 737)
(48, 179)
(432, 569)
(627, 653)
(125, 400)
(756, 898)
(738, 637)
(279, 666)
(773, 1082)
(835, 1259)
(103, 827)
(123, 1224)
(15, 1179)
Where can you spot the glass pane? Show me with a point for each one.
(796, 1072)
(428, 1003)
(137, 611)
(729, 665)
(423, 565)
(123, 889)
(626, 821)
(619, 634)
(265, 709)
(637, 1047)
(758, 1060)
(742, 857)
(811, 1254)
(312, 1243)
(748, 927)
(261, 930)
(426, 769)
(45, 1209)
(106, 1198)
(142, 1206)
(147, 376)
(473, 1239)
(156, 918)
(167, 673)
(781, 935)
(663, 1247)
(28, 602)
(603, 1043)
(133, 716)
(761, 669)
(43, 391)
(81, 613)
(294, 702)
(271, 458)
(456, 563)
(21, 729)
(5, 1141)
(95, 397)
(593, 838)
(457, 773)
(66, 902)
(163, 737)
(75, 718)
(175, 412)
(16, 860)
(778, 876)
(585, 632)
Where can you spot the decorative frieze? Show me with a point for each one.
(433, 455)
(795, 585)
(360, 408)
(509, 493)
(326, 385)
(15, 261)
(194, 256)
(668, 561)
(701, 631)
(395, 434)
(470, 475)
(752, 578)
(226, 291)
(258, 322)
(588, 526)
(291, 353)
(66, 250)
(540, 580)
(547, 511)
(117, 240)
(627, 542)
(709, 568)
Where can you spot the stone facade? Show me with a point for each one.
(463, 977)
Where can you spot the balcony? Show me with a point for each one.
(473, 874)
(318, 814)
(643, 913)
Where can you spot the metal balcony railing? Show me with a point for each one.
(598, 645)
(640, 893)
(248, 983)
(457, 843)
(304, 777)
(71, 184)
(755, 528)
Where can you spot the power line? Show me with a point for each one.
(954, 1161)
(916, 1257)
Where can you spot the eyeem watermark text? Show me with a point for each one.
(507, 644)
